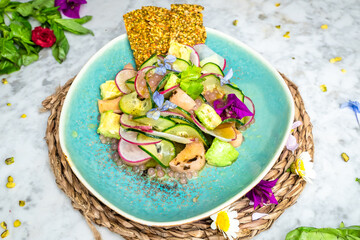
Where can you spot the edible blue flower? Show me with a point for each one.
(355, 106)
(226, 79)
(168, 60)
(161, 106)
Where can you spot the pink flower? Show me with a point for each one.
(291, 143)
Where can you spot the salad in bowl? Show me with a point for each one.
(176, 114)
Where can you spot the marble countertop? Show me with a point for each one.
(333, 197)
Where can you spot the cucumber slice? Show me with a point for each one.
(187, 131)
(237, 121)
(152, 60)
(202, 98)
(159, 125)
(163, 136)
(163, 152)
(163, 82)
(131, 83)
(183, 112)
(180, 65)
(212, 68)
(232, 89)
(130, 104)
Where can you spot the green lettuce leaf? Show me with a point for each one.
(191, 82)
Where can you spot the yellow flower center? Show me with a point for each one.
(223, 221)
(299, 165)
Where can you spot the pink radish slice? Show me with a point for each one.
(249, 103)
(223, 68)
(153, 79)
(168, 92)
(131, 137)
(132, 154)
(206, 54)
(129, 66)
(194, 56)
(127, 122)
(168, 113)
(121, 78)
(197, 123)
(171, 137)
(140, 82)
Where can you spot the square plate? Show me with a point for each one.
(167, 203)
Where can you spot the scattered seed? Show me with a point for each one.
(3, 225)
(21, 203)
(74, 134)
(17, 223)
(286, 35)
(10, 185)
(10, 179)
(343, 70)
(335, 59)
(4, 81)
(235, 22)
(293, 58)
(5, 234)
(324, 26)
(277, 4)
(345, 157)
(8, 104)
(23, 116)
(9, 161)
(323, 88)
(195, 199)
(278, 26)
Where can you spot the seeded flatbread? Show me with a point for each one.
(158, 20)
(187, 24)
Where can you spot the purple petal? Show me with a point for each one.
(72, 12)
(296, 124)
(62, 4)
(160, 70)
(167, 66)
(355, 106)
(291, 143)
(158, 98)
(170, 59)
(153, 113)
(168, 105)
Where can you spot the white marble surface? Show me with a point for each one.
(333, 197)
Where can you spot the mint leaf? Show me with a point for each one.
(358, 180)
(40, 4)
(25, 9)
(83, 20)
(61, 46)
(7, 67)
(4, 3)
(28, 58)
(72, 26)
(9, 51)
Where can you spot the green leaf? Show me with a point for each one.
(19, 30)
(61, 46)
(25, 9)
(51, 13)
(7, 67)
(83, 20)
(72, 26)
(4, 3)
(28, 58)
(192, 88)
(1, 17)
(41, 4)
(358, 180)
(41, 18)
(9, 51)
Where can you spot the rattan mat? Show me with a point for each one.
(287, 190)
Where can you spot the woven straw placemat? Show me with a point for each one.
(287, 190)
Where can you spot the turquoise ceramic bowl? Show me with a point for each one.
(166, 203)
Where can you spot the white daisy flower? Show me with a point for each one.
(226, 222)
(304, 167)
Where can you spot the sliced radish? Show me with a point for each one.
(249, 103)
(129, 66)
(132, 154)
(168, 92)
(194, 56)
(171, 137)
(168, 113)
(153, 79)
(212, 133)
(206, 55)
(127, 122)
(121, 78)
(131, 137)
(140, 82)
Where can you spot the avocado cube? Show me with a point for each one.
(221, 154)
(172, 81)
(109, 125)
(180, 50)
(109, 90)
(208, 116)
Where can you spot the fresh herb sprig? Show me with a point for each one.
(16, 46)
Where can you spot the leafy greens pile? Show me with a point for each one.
(16, 46)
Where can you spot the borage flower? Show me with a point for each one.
(70, 8)
(304, 167)
(231, 108)
(168, 60)
(161, 106)
(291, 143)
(355, 106)
(226, 222)
(262, 194)
(226, 79)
